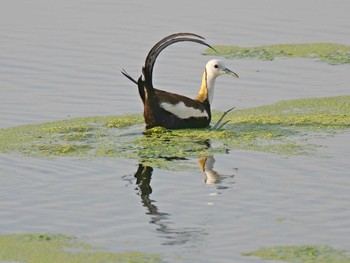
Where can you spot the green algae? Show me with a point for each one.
(66, 129)
(43, 248)
(316, 112)
(327, 52)
(78, 136)
(285, 127)
(302, 254)
(159, 147)
(282, 128)
(124, 121)
(63, 150)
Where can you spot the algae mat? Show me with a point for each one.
(43, 248)
(326, 52)
(282, 128)
(305, 254)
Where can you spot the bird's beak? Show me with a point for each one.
(230, 72)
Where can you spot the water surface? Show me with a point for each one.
(60, 60)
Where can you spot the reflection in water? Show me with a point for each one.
(174, 236)
(206, 165)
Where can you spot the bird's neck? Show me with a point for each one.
(206, 91)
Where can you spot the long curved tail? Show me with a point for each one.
(145, 82)
(147, 70)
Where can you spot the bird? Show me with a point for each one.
(171, 110)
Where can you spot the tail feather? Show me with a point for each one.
(162, 44)
(126, 74)
(139, 84)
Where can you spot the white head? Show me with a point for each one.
(216, 68)
(213, 69)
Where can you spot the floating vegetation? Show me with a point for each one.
(333, 112)
(42, 248)
(302, 254)
(67, 129)
(327, 52)
(282, 128)
(124, 121)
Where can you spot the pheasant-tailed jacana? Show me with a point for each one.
(170, 110)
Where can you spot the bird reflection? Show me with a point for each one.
(174, 236)
(143, 180)
(206, 165)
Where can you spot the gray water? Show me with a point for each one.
(60, 60)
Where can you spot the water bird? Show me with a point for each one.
(174, 111)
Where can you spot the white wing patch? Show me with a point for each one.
(182, 111)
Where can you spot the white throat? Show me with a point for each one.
(210, 86)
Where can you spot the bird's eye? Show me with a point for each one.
(216, 66)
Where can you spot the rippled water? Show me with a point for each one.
(62, 59)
